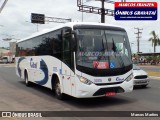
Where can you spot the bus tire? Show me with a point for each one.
(27, 83)
(58, 92)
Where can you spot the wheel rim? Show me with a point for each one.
(58, 89)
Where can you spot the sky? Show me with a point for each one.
(15, 19)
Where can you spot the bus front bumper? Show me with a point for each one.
(88, 91)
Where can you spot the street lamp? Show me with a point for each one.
(8, 38)
(12, 45)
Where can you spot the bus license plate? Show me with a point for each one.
(110, 94)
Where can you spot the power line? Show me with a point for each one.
(138, 38)
(3, 5)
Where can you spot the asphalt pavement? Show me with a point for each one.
(15, 96)
(150, 68)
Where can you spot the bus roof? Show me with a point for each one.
(70, 24)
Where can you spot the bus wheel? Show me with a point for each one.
(26, 80)
(58, 92)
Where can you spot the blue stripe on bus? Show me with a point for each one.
(19, 61)
(44, 68)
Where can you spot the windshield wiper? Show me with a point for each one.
(103, 50)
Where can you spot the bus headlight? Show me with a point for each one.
(85, 80)
(129, 77)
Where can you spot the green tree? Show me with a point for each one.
(158, 57)
(148, 58)
(155, 40)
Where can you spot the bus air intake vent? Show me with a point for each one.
(101, 84)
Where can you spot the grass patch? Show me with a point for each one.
(156, 74)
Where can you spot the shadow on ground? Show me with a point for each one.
(85, 103)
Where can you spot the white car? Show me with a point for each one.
(5, 60)
(140, 77)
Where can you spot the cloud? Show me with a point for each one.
(17, 12)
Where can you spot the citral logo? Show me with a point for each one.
(119, 79)
(32, 64)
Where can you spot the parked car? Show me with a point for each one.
(140, 77)
(5, 60)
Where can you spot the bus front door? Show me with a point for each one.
(67, 66)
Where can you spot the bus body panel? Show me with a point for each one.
(71, 84)
(37, 72)
(40, 70)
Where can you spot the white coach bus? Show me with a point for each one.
(78, 59)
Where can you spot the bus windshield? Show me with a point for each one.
(102, 49)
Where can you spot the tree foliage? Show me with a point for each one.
(155, 40)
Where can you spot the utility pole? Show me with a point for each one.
(103, 12)
(3, 5)
(138, 38)
(37, 26)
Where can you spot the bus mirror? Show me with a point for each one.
(66, 34)
(73, 32)
(73, 45)
(69, 34)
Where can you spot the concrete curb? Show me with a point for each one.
(158, 78)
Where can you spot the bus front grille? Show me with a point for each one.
(101, 84)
